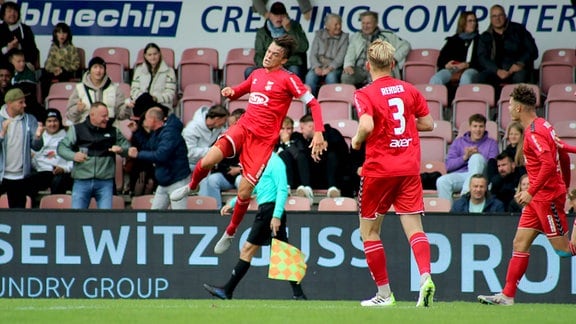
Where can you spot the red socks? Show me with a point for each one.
(237, 215)
(421, 249)
(516, 269)
(376, 259)
(198, 174)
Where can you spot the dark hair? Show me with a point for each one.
(62, 27)
(238, 112)
(288, 43)
(7, 66)
(147, 47)
(9, 5)
(524, 95)
(15, 52)
(479, 118)
(504, 155)
(217, 111)
(462, 20)
(306, 118)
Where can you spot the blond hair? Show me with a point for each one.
(381, 55)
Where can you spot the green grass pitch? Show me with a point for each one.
(270, 311)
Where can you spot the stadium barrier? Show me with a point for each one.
(150, 254)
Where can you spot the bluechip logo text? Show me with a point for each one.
(118, 18)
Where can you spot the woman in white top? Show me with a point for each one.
(153, 82)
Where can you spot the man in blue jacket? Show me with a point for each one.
(165, 147)
(478, 200)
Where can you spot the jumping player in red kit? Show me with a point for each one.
(391, 113)
(254, 136)
(543, 201)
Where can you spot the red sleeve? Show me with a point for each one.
(241, 89)
(565, 167)
(546, 171)
(567, 148)
(316, 115)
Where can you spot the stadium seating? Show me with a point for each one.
(58, 97)
(118, 203)
(437, 98)
(437, 204)
(201, 203)
(560, 103)
(114, 56)
(557, 67)
(471, 99)
(56, 202)
(237, 60)
(197, 65)
(336, 100)
(167, 55)
(4, 201)
(115, 71)
(198, 95)
(297, 204)
(432, 166)
(142, 202)
(337, 204)
(347, 128)
(420, 65)
(504, 103)
(297, 110)
(433, 144)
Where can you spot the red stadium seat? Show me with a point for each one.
(201, 203)
(56, 202)
(340, 204)
(560, 103)
(557, 67)
(472, 99)
(437, 98)
(197, 65)
(336, 100)
(420, 65)
(237, 60)
(198, 95)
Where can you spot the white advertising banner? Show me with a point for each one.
(232, 23)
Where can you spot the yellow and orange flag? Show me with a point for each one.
(286, 262)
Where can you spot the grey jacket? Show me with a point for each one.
(328, 51)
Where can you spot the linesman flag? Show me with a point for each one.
(286, 262)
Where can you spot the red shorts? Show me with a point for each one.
(253, 151)
(547, 217)
(378, 194)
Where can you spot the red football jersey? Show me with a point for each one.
(393, 148)
(270, 96)
(539, 138)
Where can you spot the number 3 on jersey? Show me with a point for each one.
(398, 115)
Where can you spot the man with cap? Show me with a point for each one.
(278, 24)
(97, 86)
(52, 171)
(19, 134)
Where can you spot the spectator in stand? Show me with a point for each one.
(355, 60)
(523, 185)
(16, 35)
(203, 130)
(327, 54)
(514, 148)
(330, 171)
(20, 133)
(93, 145)
(278, 24)
(96, 86)
(52, 171)
(467, 155)
(305, 8)
(6, 72)
(166, 149)
(458, 58)
(153, 83)
(226, 174)
(503, 185)
(63, 61)
(506, 51)
(25, 79)
(291, 150)
(478, 199)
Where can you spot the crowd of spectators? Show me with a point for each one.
(64, 151)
